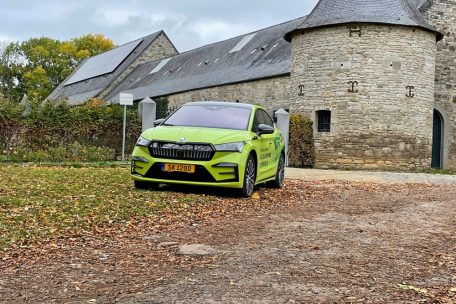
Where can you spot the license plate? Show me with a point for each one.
(179, 168)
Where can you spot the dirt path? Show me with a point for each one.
(356, 243)
(312, 242)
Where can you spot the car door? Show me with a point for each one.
(270, 168)
(264, 145)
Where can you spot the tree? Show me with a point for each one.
(37, 66)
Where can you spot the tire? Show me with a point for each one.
(145, 185)
(249, 177)
(280, 175)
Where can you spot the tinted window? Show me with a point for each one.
(267, 119)
(211, 116)
(261, 117)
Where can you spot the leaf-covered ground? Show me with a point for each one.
(319, 241)
(38, 203)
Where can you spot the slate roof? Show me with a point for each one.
(266, 55)
(221, 103)
(90, 88)
(423, 5)
(420, 3)
(335, 12)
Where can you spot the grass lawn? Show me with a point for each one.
(38, 203)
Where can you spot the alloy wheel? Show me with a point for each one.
(281, 173)
(250, 176)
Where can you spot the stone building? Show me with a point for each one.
(442, 15)
(375, 76)
(372, 83)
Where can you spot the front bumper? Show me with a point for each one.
(225, 169)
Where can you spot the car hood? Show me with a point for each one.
(196, 135)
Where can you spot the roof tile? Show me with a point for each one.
(214, 65)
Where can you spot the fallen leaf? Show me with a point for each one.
(411, 287)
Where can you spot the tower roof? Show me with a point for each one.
(338, 12)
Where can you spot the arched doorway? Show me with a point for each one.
(437, 141)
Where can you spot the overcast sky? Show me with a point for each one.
(188, 23)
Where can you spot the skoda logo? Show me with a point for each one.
(183, 139)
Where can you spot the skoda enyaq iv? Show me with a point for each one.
(221, 144)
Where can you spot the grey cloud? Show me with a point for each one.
(188, 23)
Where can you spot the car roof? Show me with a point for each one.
(221, 103)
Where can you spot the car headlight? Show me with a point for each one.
(142, 142)
(231, 147)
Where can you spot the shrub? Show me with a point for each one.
(301, 149)
(162, 107)
(10, 122)
(58, 154)
(56, 131)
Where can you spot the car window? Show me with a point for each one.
(256, 121)
(267, 119)
(210, 116)
(261, 117)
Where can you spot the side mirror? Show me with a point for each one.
(158, 122)
(265, 129)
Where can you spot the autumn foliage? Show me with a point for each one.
(301, 150)
(36, 66)
(58, 132)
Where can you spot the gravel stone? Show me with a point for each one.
(196, 250)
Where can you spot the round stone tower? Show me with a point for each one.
(363, 71)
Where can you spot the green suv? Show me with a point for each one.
(220, 144)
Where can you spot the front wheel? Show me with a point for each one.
(249, 177)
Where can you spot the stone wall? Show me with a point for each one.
(272, 93)
(160, 48)
(442, 15)
(378, 126)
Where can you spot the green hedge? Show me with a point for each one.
(301, 149)
(56, 131)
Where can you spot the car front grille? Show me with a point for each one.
(198, 152)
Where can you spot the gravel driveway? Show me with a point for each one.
(342, 237)
(327, 237)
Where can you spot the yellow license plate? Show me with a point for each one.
(179, 168)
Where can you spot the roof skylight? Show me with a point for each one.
(160, 66)
(242, 43)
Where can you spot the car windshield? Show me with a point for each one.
(211, 116)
